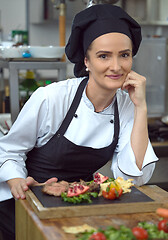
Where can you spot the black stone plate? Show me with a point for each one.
(51, 201)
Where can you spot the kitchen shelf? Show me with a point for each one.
(153, 23)
(16, 64)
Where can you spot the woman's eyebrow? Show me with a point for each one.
(125, 50)
(107, 52)
(102, 51)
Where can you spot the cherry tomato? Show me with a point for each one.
(120, 192)
(97, 236)
(163, 225)
(105, 194)
(112, 194)
(140, 233)
(109, 195)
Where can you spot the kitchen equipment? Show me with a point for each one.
(138, 200)
(158, 130)
(46, 51)
(20, 37)
(92, 2)
(62, 20)
(10, 52)
(61, 6)
(99, 1)
(151, 62)
(165, 119)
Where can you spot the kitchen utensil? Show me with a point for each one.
(10, 52)
(92, 2)
(165, 119)
(46, 51)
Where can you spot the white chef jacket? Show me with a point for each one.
(43, 114)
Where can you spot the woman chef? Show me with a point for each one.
(70, 129)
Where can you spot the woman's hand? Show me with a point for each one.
(135, 84)
(19, 186)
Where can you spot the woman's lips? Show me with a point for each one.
(115, 77)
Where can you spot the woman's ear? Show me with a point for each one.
(86, 62)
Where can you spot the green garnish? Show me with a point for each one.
(125, 233)
(109, 180)
(108, 188)
(85, 197)
(111, 233)
(153, 231)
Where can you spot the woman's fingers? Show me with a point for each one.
(19, 186)
(134, 79)
(135, 84)
(30, 181)
(54, 179)
(51, 180)
(20, 191)
(15, 193)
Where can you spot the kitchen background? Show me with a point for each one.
(40, 18)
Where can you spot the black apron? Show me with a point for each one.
(65, 160)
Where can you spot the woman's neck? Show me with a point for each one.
(100, 99)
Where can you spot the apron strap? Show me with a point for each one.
(72, 109)
(116, 121)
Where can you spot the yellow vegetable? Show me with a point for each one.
(117, 183)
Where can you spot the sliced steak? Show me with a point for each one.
(94, 187)
(55, 188)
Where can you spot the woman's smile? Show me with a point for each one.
(114, 76)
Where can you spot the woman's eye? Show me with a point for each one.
(103, 56)
(125, 55)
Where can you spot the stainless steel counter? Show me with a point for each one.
(16, 64)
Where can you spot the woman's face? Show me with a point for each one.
(109, 60)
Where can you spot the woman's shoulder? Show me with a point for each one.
(63, 86)
(60, 88)
(70, 82)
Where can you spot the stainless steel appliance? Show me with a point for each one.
(151, 62)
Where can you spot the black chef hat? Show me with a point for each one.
(94, 22)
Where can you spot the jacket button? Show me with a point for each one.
(111, 121)
(75, 115)
(58, 135)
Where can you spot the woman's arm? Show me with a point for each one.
(21, 138)
(136, 85)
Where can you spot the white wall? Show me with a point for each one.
(12, 16)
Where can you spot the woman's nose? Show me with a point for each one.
(114, 64)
